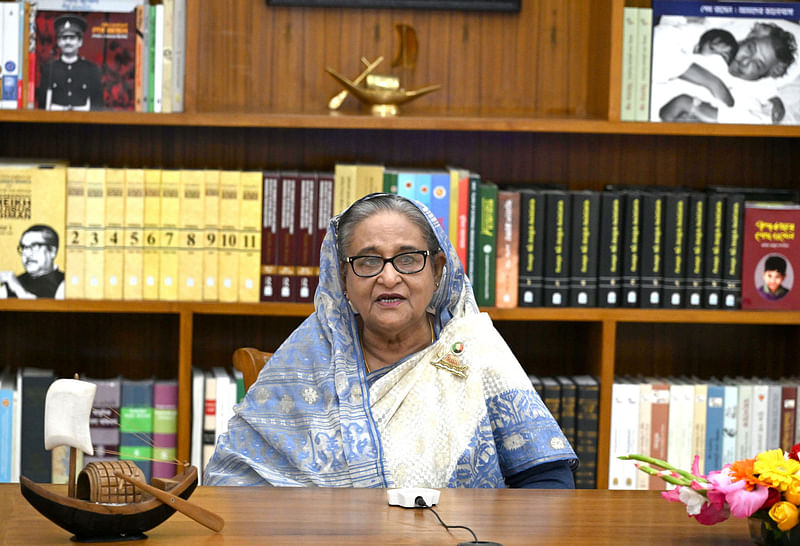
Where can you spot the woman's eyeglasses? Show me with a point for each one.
(405, 263)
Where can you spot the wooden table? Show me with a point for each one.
(361, 516)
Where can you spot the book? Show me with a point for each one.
(103, 77)
(744, 420)
(325, 181)
(166, 55)
(473, 223)
(211, 235)
(623, 432)
(33, 227)
(157, 57)
(198, 402)
(586, 433)
(305, 216)
(695, 250)
(226, 399)
(609, 258)
(287, 199)
(440, 198)
(165, 427)
(7, 409)
(556, 248)
(630, 42)
(681, 422)
(35, 461)
(94, 227)
(632, 254)
(729, 421)
(676, 213)
(688, 71)
(269, 236)
(250, 236)
(344, 186)
(168, 234)
(459, 211)
(136, 423)
(584, 237)
(713, 251)
(732, 259)
(369, 179)
(507, 268)
(142, 55)
(486, 247)
(659, 425)
(191, 219)
(551, 396)
(568, 407)
(699, 421)
(151, 230)
(209, 416)
(133, 259)
(178, 54)
(10, 54)
(531, 248)
(422, 186)
(644, 432)
(652, 271)
(228, 257)
(759, 408)
(641, 74)
(104, 419)
(770, 252)
(774, 414)
(114, 235)
(715, 416)
(788, 414)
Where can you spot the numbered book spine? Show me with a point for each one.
(250, 237)
(114, 266)
(190, 241)
(211, 235)
(169, 235)
(531, 248)
(152, 221)
(557, 242)
(95, 232)
(76, 232)
(695, 250)
(585, 234)
(676, 213)
(229, 202)
(134, 234)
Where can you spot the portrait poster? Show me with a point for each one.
(108, 43)
(33, 200)
(771, 256)
(725, 62)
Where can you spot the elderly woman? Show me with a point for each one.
(396, 380)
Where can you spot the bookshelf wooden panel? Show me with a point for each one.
(527, 97)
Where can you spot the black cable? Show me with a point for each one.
(419, 501)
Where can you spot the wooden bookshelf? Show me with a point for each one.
(527, 97)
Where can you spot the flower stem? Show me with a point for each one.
(688, 476)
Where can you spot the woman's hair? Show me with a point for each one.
(380, 202)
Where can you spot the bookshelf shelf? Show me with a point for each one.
(255, 96)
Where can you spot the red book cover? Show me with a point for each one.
(324, 214)
(269, 237)
(770, 254)
(305, 222)
(788, 415)
(85, 60)
(463, 218)
(287, 196)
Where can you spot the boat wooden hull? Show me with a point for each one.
(93, 521)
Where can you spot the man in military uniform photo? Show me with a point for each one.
(70, 82)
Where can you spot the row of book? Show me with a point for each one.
(574, 401)
(690, 61)
(130, 55)
(130, 419)
(250, 236)
(677, 418)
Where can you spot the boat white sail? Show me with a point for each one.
(67, 408)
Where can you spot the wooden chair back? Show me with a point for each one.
(249, 361)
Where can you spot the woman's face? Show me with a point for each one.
(391, 302)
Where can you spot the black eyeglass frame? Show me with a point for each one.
(424, 253)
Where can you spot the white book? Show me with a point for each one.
(629, 40)
(774, 409)
(699, 413)
(198, 414)
(644, 39)
(729, 423)
(158, 57)
(744, 420)
(758, 420)
(226, 398)
(10, 54)
(681, 422)
(644, 428)
(166, 55)
(624, 434)
(88, 5)
(16, 442)
(178, 54)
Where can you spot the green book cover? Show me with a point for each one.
(151, 65)
(486, 266)
(389, 181)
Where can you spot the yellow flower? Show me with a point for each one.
(773, 468)
(784, 514)
(792, 494)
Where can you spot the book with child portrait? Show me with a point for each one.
(725, 62)
(771, 256)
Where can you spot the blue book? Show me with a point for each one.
(6, 431)
(440, 198)
(405, 183)
(715, 415)
(422, 187)
(136, 423)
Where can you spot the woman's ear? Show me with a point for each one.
(439, 261)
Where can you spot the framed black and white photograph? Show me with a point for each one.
(451, 5)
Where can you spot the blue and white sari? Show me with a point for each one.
(459, 413)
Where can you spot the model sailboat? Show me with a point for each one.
(110, 499)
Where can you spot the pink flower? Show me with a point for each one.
(743, 502)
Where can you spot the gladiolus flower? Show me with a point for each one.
(743, 501)
(784, 514)
(693, 500)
